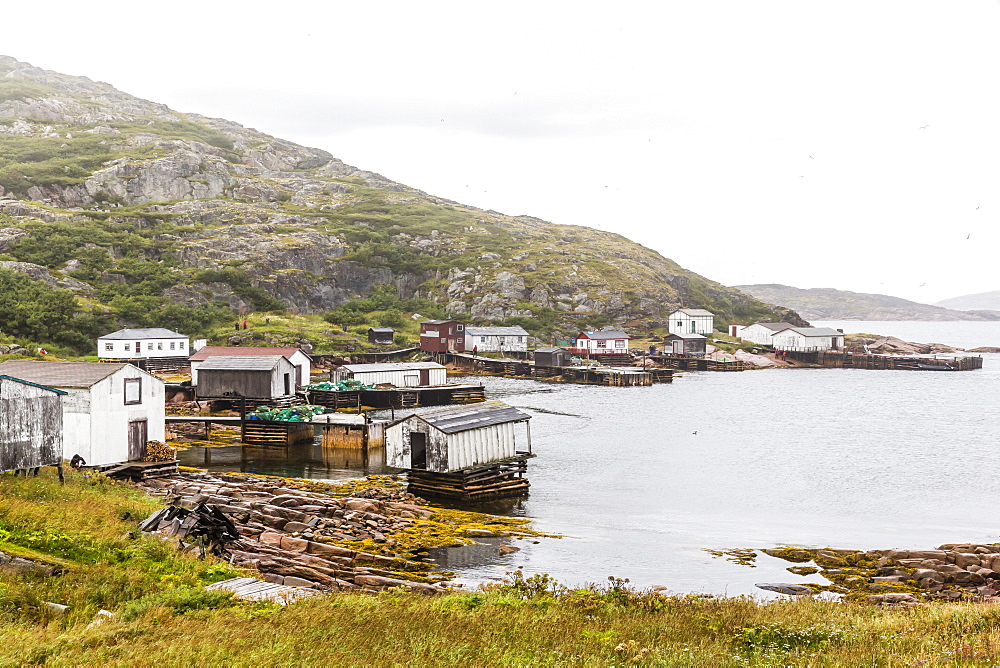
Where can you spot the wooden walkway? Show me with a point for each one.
(252, 589)
(700, 363)
(583, 374)
(847, 360)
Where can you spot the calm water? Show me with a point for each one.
(642, 480)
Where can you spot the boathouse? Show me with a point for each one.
(258, 377)
(691, 321)
(298, 359)
(110, 409)
(761, 332)
(603, 342)
(382, 336)
(552, 356)
(496, 339)
(442, 336)
(402, 374)
(31, 425)
(685, 345)
(808, 339)
(461, 451)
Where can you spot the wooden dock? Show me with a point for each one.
(279, 434)
(700, 363)
(583, 374)
(491, 481)
(398, 397)
(836, 359)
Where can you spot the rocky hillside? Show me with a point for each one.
(137, 208)
(831, 304)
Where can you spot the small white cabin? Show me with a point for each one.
(455, 438)
(31, 425)
(761, 332)
(496, 339)
(691, 321)
(109, 412)
(403, 374)
(808, 339)
(145, 343)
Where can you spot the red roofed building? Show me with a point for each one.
(301, 361)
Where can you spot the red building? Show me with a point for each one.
(441, 336)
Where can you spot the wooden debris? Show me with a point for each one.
(203, 524)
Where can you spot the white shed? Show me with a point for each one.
(402, 374)
(496, 339)
(691, 321)
(761, 332)
(144, 343)
(109, 412)
(456, 438)
(808, 339)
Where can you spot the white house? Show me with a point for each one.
(145, 343)
(691, 321)
(456, 437)
(109, 411)
(808, 339)
(761, 332)
(604, 342)
(301, 361)
(402, 374)
(496, 339)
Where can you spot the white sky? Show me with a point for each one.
(685, 125)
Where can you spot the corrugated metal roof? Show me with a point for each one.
(247, 363)
(813, 331)
(27, 382)
(496, 331)
(62, 374)
(606, 334)
(774, 326)
(454, 419)
(683, 335)
(438, 322)
(550, 350)
(241, 351)
(142, 333)
(382, 330)
(390, 366)
(694, 311)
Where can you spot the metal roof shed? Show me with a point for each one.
(455, 438)
(258, 377)
(31, 425)
(401, 374)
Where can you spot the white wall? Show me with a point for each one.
(680, 323)
(481, 446)
(150, 348)
(757, 334)
(402, 377)
(495, 344)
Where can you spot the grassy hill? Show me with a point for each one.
(150, 216)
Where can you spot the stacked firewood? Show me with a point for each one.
(158, 451)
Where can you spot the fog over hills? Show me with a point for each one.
(979, 301)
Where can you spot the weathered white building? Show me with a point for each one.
(761, 332)
(299, 360)
(109, 412)
(455, 438)
(31, 425)
(808, 339)
(496, 339)
(691, 321)
(145, 343)
(252, 377)
(402, 374)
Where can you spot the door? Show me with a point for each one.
(678, 347)
(138, 348)
(288, 384)
(298, 376)
(418, 450)
(137, 437)
(425, 377)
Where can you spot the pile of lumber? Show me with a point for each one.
(158, 451)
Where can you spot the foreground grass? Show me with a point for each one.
(164, 616)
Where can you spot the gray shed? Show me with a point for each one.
(552, 357)
(31, 425)
(692, 345)
(455, 438)
(257, 377)
(381, 335)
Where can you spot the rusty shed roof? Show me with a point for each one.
(62, 374)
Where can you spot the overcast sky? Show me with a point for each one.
(848, 144)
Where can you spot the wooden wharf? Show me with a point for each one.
(700, 363)
(848, 360)
(583, 374)
(253, 432)
(494, 480)
(398, 397)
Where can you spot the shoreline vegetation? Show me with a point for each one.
(79, 547)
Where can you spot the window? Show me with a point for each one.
(692, 327)
(459, 340)
(520, 339)
(149, 346)
(602, 344)
(444, 340)
(159, 345)
(171, 345)
(133, 391)
(109, 346)
(619, 343)
(461, 327)
(181, 344)
(128, 347)
(482, 339)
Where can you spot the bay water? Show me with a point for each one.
(642, 481)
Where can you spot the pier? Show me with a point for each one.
(700, 363)
(397, 397)
(836, 359)
(583, 374)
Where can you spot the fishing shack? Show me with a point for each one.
(552, 357)
(400, 374)
(260, 378)
(110, 410)
(382, 336)
(31, 425)
(466, 452)
(684, 344)
(298, 359)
